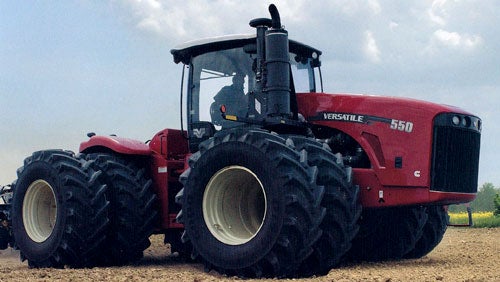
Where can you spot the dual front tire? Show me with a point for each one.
(399, 233)
(252, 205)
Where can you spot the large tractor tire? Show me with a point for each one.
(434, 229)
(59, 211)
(132, 208)
(341, 203)
(250, 205)
(388, 233)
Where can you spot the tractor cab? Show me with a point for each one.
(226, 88)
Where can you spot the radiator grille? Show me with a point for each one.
(455, 160)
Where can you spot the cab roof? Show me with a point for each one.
(184, 52)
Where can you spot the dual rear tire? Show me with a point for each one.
(133, 211)
(68, 210)
(59, 210)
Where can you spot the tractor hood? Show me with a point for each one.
(410, 143)
(321, 106)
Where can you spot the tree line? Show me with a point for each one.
(487, 200)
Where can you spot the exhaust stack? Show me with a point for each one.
(273, 66)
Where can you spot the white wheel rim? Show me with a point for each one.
(234, 205)
(39, 210)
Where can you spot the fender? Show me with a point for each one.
(117, 144)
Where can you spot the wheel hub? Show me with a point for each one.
(234, 205)
(39, 210)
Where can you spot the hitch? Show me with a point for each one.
(469, 214)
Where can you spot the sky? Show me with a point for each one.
(72, 67)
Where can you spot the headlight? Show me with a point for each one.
(477, 124)
(466, 121)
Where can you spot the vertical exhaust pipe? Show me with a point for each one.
(272, 65)
(277, 82)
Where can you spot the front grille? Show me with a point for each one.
(455, 158)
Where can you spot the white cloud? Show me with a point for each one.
(374, 6)
(437, 12)
(371, 49)
(393, 25)
(180, 20)
(472, 41)
(348, 8)
(158, 17)
(150, 24)
(455, 40)
(447, 38)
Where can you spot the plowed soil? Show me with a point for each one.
(463, 255)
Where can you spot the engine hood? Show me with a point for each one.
(311, 104)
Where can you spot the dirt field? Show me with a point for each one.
(463, 255)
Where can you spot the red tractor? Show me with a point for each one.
(271, 178)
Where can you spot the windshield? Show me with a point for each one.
(304, 77)
(226, 77)
(220, 78)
